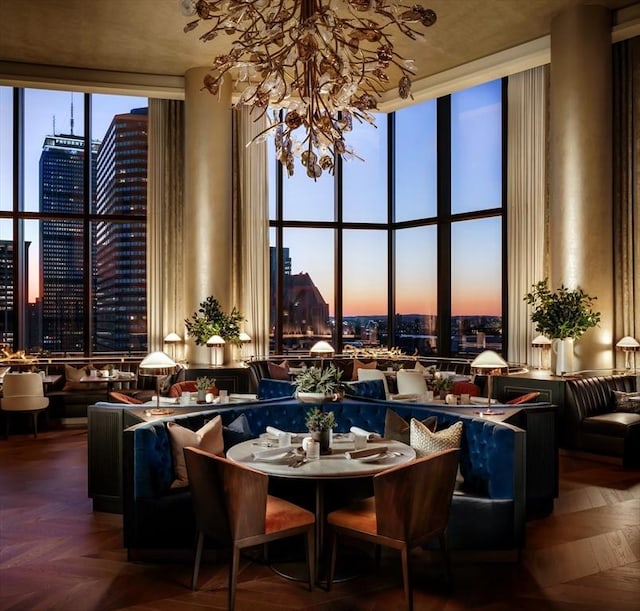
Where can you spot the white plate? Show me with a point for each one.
(375, 457)
(275, 458)
(479, 400)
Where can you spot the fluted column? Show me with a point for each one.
(207, 239)
(581, 169)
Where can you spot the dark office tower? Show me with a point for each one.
(121, 190)
(6, 293)
(61, 240)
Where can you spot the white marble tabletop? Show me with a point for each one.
(332, 466)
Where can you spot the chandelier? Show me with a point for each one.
(322, 62)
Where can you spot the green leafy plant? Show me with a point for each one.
(205, 383)
(562, 313)
(442, 383)
(319, 420)
(210, 320)
(320, 380)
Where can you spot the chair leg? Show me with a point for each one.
(233, 576)
(35, 424)
(196, 561)
(332, 558)
(444, 548)
(311, 557)
(406, 577)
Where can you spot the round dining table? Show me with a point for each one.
(291, 464)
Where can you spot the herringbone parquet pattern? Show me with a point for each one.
(55, 553)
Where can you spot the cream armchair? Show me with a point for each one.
(23, 392)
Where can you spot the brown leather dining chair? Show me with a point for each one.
(410, 506)
(233, 509)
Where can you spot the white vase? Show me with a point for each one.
(313, 397)
(563, 349)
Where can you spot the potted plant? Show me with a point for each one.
(441, 384)
(561, 315)
(318, 385)
(210, 320)
(205, 385)
(320, 424)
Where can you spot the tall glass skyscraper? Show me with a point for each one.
(121, 190)
(61, 239)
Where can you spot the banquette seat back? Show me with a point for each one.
(491, 465)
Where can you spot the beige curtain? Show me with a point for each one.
(626, 190)
(251, 230)
(164, 222)
(527, 202)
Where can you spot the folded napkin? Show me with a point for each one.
(364, 453)
(356, 430)
(270, 453)
(272, 430)
(404, 397)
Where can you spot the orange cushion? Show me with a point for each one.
(359, 516)
(530, 396)
(120, 397)
(179, 387)
(283, 515)
(468, 388)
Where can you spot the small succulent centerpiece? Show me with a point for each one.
(562, 315)
(205, 385)
(210, 320)
(441, 384)
(320, 425)
(319, 385)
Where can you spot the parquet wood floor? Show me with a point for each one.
(55, 553)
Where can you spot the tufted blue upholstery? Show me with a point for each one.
(275, 389)
(491, 463)
(366, 389)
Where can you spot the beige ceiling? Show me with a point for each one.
(145, 36)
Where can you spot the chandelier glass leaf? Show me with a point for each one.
(323, 62)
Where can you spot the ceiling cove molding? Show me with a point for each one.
(17, 74)
(517, 59)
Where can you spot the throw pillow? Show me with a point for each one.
(396, 427)
(627, 401)
(72, 379)
(208, 438)
(420, 367)
(279, 372)
(424, 442)
(3, 371)
(237, 432)
(361, 365)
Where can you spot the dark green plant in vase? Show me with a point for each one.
(320, 424)
(210, 320)
(561, 314)
(325, 383)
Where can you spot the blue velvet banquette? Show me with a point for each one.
(488, 508)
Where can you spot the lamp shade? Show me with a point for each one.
(488, 362)
(628, 343)
(157, 360)
(244, 338)
(215, 340)
(540, 341)
(321, 348)
(172, 338)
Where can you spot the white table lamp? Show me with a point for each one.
(157, 360)
(215, 342)
(628, 345)
(489, 363)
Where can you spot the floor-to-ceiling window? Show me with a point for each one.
(404, 249)
(72, 221)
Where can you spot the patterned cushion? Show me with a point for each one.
(419, 367)
(208, 438)
(396, 427)
(424, 442)
(627, 401)
(72, 377)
